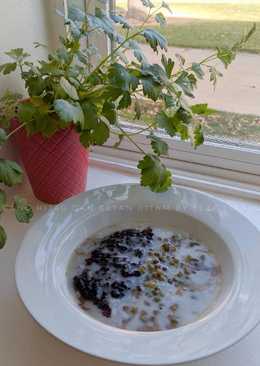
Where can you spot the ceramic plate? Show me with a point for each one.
(42, 266)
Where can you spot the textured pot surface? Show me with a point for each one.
(56, 167)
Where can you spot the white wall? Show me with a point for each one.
(23, 22)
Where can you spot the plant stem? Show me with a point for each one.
(15, 130)
(142, 130)
(131, 140)
(112, 53)
(209, 58)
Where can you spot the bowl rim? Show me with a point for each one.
(26, 293)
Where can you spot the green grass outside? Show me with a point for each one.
(209, 34)
(217, 11)
(198, 25)
(234, 12)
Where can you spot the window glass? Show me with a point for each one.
(193, 30)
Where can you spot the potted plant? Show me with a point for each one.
(72, 105)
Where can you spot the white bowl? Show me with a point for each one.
(42, 263)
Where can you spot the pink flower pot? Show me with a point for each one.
(56, 166)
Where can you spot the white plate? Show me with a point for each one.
(46, 292)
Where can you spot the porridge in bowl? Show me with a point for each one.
(145, 278)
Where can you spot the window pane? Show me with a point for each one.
(193, 30)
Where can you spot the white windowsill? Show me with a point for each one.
(126, 165)
(24, 343)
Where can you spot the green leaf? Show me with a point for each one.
(69, 89)
(3, 136)
(44, 122)
(95, 136)
(75, 13)
(109, 111)
(183, 131)
(73, 81)
(120, 77)
(75, 71)
(101, 21)
(225, 55)
(214, 74)
(181, 59)
(23, 211)
(8, 103)
(17, 54)
(64, 56)
(69, 112)
(159, 146)
(166, 122)
(155, 39)
(74, 28)
(40, 105)
(175, 121)
(10, 173)
(125, 101)
(185, 83)
(122, 57)
(165, 5)
(8, 67)
(160, 18)
(26, 112)
(3, 237)
(4, 122)
(137, 51)
(85, 138)
(147, 3)
(197, 69)
(184, 115)
(196, 135)
(169, 101)
(91, 115)
(168, 65)
(112, 93)
(50, 68)
(39, 44)
(151, 89)
(100, 133)
(156, 72)
(35, 84)
(193, 80)
(2, 199)
(119, 19)
(154, 174)
(202, 109)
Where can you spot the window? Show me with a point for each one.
(193, 30)
(232, 147)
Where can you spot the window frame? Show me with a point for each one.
(213, 158)
(217, 158)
